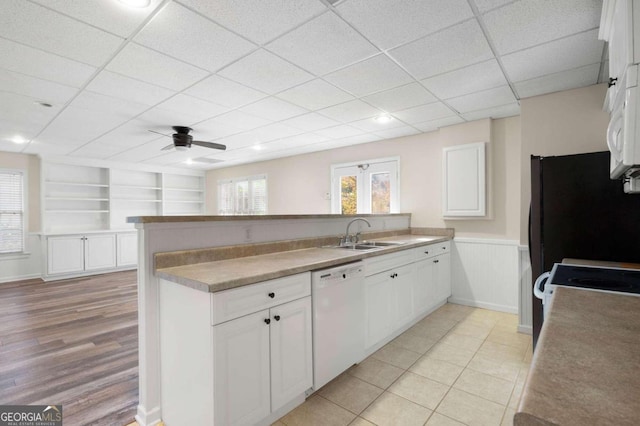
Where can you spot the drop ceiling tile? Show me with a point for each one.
(455, 47)
(8, 146)
(36, 63)
(423, 113)
(389, 23)
(486, 5)
(36, 88)
(398, 132)
(474, 78)
(371, 75)
(275, 131)
(372, 125)
(45, 29)
(564, 80)
(224, 92)
(183, 34)
(131, 134)
(238, 141)
(20, 114)
(111, 16)
(295, 141)
(273, 109)
(322, 45)
(259, 21)
(122, 87)
(560, 55)
(310, 122)
(107, 105)
(155, 68)
(527, 23)
(340, 143)
(193, 107)
(210, 130)
(96, 150)
(315, 95)
(341, 131)
(350, 111)
(161, 120)
(429, 126)
(45, 149)
(141, 152)
(402, 97)
(501, 111)
(483, 100)
(266, 72)
(240, 120)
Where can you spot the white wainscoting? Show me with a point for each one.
(525, 315)
(484, 274)
(14, 267)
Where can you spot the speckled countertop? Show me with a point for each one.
(225, 274)
(586, 366)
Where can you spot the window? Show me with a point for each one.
(242, 196)
(11, 211)
(365, 187)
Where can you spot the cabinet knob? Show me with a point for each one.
(436, 261)
(271, 295)
(276, 317)
(426, 252)
(267, 321)
(344, 276)
(612, 81)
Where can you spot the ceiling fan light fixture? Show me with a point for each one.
(18, 139)
(138, 4)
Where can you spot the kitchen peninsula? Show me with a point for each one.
(187, 244)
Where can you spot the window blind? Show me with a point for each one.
(243, 196)
(11, 212)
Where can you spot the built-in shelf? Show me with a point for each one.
(94, 197)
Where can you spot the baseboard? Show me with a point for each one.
(525, 329)
(86, 274)
(148, 418)
(483, 305)
(19, 278)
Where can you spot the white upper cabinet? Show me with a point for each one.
(464, 190)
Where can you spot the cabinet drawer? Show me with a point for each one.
(230, 304)
(431, 250)
(376, 264)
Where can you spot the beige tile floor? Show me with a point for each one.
(458, 366)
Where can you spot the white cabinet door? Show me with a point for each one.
(99, 251)
(291, 351)
(443, 276)
(241, 370)
(127, 249)
(402, 280)
(424, 286)
(463, 192)
(378, 307)
(65, 254)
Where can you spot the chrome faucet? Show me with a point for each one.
(347, 239)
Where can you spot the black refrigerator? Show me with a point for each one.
(578, 212)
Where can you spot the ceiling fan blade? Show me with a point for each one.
(153, 131)
(168, 147)
(209, 145)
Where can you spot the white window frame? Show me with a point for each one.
(234, 202)
(364, 169)
(25, 217)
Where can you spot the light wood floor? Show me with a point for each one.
(72, 342)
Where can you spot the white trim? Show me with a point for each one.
(15, 255)
(525, 329)
(25, 210)
(20, 278)
(484, 241)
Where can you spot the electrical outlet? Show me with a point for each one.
(327, 196)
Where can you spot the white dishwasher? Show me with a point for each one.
(338, 320)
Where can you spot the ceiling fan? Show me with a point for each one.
(182, 140)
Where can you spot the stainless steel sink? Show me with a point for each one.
(383, 243)
(359, 247)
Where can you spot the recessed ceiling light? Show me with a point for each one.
(136, 3)
(188, 161)
(383, 118)
(257, 147)
(18, 139)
